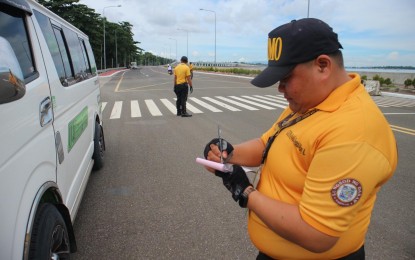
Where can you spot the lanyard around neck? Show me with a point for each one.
(286, 122)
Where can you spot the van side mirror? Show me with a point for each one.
(12, 86)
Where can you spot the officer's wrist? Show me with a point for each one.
(243, 200)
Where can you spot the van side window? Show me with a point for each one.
(69, 51)
(62, 54)
(13, 29)
(56, 44)
(75, 51)
(87, 65)
(91, 59)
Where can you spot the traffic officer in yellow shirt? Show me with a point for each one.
(323, 160)
(191, 69)
(182, 82)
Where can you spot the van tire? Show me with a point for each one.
(99, 149)
(49, 235)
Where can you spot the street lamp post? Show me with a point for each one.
(103, 14)
(308, 9)
(176, 47)
(201, 9)
(187, 45)
(116, 50)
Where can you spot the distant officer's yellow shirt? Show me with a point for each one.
(181, 71)
(331, 165)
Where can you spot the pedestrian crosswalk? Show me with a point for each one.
(383, 101)
(216, 104)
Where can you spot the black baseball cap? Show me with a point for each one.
(294, 43)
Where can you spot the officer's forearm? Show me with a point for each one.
(248, 153)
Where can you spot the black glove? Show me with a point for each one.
(226, 146)
(236, 182)
(191, 89)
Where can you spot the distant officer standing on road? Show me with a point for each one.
(182, 82)
(323, 160)
(191, 70)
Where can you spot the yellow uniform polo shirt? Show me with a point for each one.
(181, 72)
(331, 164)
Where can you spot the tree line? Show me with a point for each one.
(120, 47)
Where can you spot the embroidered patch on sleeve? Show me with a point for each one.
(346, 192)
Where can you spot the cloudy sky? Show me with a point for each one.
(372, 32)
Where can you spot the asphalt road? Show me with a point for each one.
(152, 201)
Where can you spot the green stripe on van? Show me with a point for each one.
(76, 127)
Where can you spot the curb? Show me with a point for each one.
(111, 73)
(224, 75)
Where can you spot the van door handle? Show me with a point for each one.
(45, 112)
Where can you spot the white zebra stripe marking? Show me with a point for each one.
(273, 98)
(170, 106)
(237, 103)
(205, 105)
(231, 108)
(116, 110)
(104, 104)
(135, 109)
(152, 107)
(192, 108)
(232, 103)
(252, 103)
(265, 102)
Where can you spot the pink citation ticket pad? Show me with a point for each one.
(217, 166)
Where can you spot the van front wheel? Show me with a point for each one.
(99, 149)
(49, 239)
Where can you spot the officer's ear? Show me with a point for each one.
(323, 62)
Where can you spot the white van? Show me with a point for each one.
(133, 65)
(51, 133)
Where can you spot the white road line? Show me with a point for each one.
(116, 110)
(265, 102)
(135, 109)
(276, 99)
(205, 105)
(152, 107)
(399, 113)
(231, 108)
(104, 104)
(237, 103)
(252, 103)
(170, 106)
